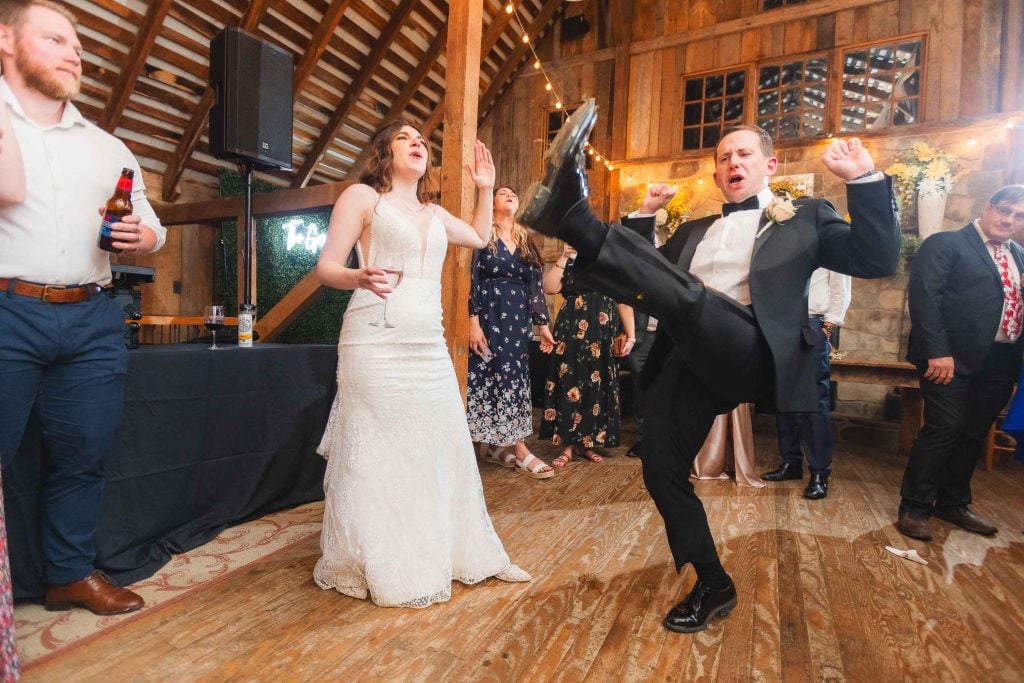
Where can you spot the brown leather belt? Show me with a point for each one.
(53, 294)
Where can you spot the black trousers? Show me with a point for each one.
(957, 417)
(708, 356)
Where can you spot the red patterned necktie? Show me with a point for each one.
(1012, 309)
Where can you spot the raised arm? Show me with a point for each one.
(12, 170)
(477, 234)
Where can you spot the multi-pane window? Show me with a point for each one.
(791, 97)
(775, 4)
(881, 86)
(556, 118)
(710, 103)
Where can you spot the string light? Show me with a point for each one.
(509, 8)
(547, 86)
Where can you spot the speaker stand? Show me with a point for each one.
(247, 234)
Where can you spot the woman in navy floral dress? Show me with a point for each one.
(506, 302)
(581, 395)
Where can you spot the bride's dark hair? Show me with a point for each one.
(377, 172)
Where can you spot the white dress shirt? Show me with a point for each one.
(71, 169)
(722, 259)
(1014, 278)
(830, 295)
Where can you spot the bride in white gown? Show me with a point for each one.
(404, 512)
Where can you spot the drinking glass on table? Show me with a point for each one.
(393, 270)
(213, 318)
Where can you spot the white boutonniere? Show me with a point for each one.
(779, 210)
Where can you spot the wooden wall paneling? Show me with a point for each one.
(679, 16)
(844, 22)
(981, 47)
(883, 20)
(647, 18)
(825, 32)
(620, 103)
(1011, 94)
(700, 56)
(801, 36)
(641, 75)
(750, 45)
(927, 18)
(727, 50)
(668, 104)
(198, 253)
(951, 38)
(861, 25)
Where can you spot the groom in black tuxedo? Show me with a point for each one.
(730, 296)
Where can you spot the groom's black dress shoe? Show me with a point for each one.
(967, 519)
(786, 471)
(701, 606)
(817, 487)
(565, 179)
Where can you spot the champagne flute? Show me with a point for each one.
(213, 319)
(393, 270)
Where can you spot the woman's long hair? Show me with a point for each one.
(527, 252)
(377, 171)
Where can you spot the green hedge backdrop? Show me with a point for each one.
(277, 269)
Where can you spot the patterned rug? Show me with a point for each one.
(41, 634)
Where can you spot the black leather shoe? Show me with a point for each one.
(701, 606)
(786, 471)
(565, 179)
(968, 520)
(634, 451)
(817, 487)
(914, 525)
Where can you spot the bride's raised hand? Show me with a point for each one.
(482, 171)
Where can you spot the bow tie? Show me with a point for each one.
(749, 204)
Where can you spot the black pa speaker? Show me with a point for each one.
(251, 116)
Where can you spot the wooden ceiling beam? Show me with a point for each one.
(508, 69)
(318, 43)
(410, 89)
(136, 59)
(190, 137)
(355, 89)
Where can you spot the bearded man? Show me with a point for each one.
(61, 346)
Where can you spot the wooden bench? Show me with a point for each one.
(889, 374)
(905, 376)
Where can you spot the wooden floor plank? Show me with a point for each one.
(820, 598)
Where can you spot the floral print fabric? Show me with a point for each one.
(508, 297)
(581, 395)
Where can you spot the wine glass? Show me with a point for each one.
(213, 318)
(393, 270)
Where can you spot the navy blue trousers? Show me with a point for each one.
(68, 362)
(812, 429)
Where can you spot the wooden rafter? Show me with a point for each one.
(355, 89)
(136, 59)
(504, 74)
(319, 41)
(408, 92)
(197, 124)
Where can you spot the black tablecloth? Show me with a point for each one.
(209, 439)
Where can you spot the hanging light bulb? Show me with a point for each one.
(558, 105)
(509, 8)
(526, 38)
(536, 64)
(547, 86)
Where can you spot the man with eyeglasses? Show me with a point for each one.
(965, 338)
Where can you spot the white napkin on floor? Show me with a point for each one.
(907, 554)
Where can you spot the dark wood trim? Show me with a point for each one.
(267, 205)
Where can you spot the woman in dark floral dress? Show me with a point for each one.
(506, 302)
(581, 395)
(9, 669)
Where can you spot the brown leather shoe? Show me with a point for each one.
(914, 525)
(96, 592)
(966, 519)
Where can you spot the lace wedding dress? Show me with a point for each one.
(404, 512)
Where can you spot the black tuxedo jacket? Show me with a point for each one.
(956, 300)
(785, 255)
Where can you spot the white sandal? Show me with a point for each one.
(532, 466)
(500, 455)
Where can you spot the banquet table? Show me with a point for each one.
(208, 439)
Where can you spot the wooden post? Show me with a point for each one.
(462, 76)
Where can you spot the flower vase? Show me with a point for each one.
(931, 206)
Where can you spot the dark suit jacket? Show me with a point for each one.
(784, 257)
(956, 300)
